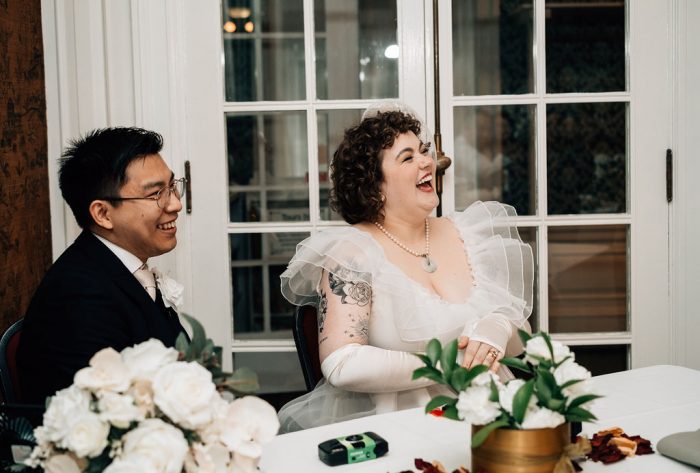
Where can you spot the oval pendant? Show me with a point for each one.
(429, 265)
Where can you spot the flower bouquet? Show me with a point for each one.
(556, 393)
(153, 409)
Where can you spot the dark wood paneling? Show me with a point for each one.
(25, 223)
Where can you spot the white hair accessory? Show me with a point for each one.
(396, 106)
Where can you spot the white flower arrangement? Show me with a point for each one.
(558, 390)
(172, 291)
(154, 409)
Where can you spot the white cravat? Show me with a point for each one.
(147, 279)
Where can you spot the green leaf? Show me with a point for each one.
(451, 412)
(548, 341)
(433, 351)
(448, 359)
(459, 378)
(243, 380)
(432, 374)
(524, 336)
(579, 414)
(548, 378)
(493, 397)
(516, 363)
(473, 373)
(521, 400)
(479, 437)
(424, 359)
(198, 340)
(181, 343)
(583, 399)
(555, 405)
(439, 401)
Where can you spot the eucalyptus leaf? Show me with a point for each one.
(243, 380)
(439, 401)
(521, 400)
(479, 437)
(198, 340)
(181, 343)
(433, 351)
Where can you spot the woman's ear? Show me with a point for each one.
(100, 211)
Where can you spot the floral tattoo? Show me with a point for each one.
(359, 328)
(350, 292)
(322, 311)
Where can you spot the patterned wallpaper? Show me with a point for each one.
(25, 223)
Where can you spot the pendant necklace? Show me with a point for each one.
(429, 266)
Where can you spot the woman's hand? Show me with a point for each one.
(478, 353)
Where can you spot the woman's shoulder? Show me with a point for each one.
(485, 219)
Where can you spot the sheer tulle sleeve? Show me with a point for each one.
(502, 263)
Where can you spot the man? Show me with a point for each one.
(126, 200)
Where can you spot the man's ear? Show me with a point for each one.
(101, 213)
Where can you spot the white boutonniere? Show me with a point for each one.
(171, 290)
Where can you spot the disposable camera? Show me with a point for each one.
(352, 449)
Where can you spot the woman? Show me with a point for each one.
(398, 277)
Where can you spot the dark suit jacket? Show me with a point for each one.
(87, 301)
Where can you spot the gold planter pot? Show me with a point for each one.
(521, 451)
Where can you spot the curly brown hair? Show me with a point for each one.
(356, 168)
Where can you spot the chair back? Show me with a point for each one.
(9, 375)
(306, 339)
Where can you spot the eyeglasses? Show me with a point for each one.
(162, 197)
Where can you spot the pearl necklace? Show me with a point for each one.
(429, 265)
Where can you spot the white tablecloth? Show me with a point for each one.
(652, 402)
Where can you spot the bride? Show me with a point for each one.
(397, 277)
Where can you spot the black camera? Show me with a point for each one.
(352, 449)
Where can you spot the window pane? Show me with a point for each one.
(585, 46)
(586, 158)
(356, 49)
(602, 359)
(267, 166)
(257, 260)
(529, 235)
(277, 372)
(331, 128)
(492, 47)
(588, 278)
(495, 155)
(263, 50)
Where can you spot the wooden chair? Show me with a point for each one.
(9, 376)
(306, 339)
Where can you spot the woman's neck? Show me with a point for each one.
(410, 231)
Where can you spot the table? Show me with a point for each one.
(652, 402)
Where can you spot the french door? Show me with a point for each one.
(547, 105)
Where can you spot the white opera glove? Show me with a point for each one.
(493, 329)
(368, 369)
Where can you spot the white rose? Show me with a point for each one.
(475, 407)
(87, 435)
(185, 393)
(66, 405)
(171, 290)
(485, 378)
(155, 443)
(141, 391)
(132, 465)
(145, 359)
(62, 463)
(506, 395)
(570, 371)
(119, 410)
(211, 458)
(249, 424)
(541, 417)
(537, 346)
(211, 433)
(106, 372)
(243, 464)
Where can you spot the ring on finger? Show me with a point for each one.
(493, 353)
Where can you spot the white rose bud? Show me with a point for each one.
(250, 423)
(66, 405)
(119, 410)
(537, 346)
(185, 393)
(106, 372)
(145, 359)
(569, 371)
(475, 407)
(155, 443)
(87, 435)
(542, 418)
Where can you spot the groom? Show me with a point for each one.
(99, 292)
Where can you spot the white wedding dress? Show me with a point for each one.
(405, 315)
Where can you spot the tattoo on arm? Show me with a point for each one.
(359, 328)
(350, 292)
(322, 311)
